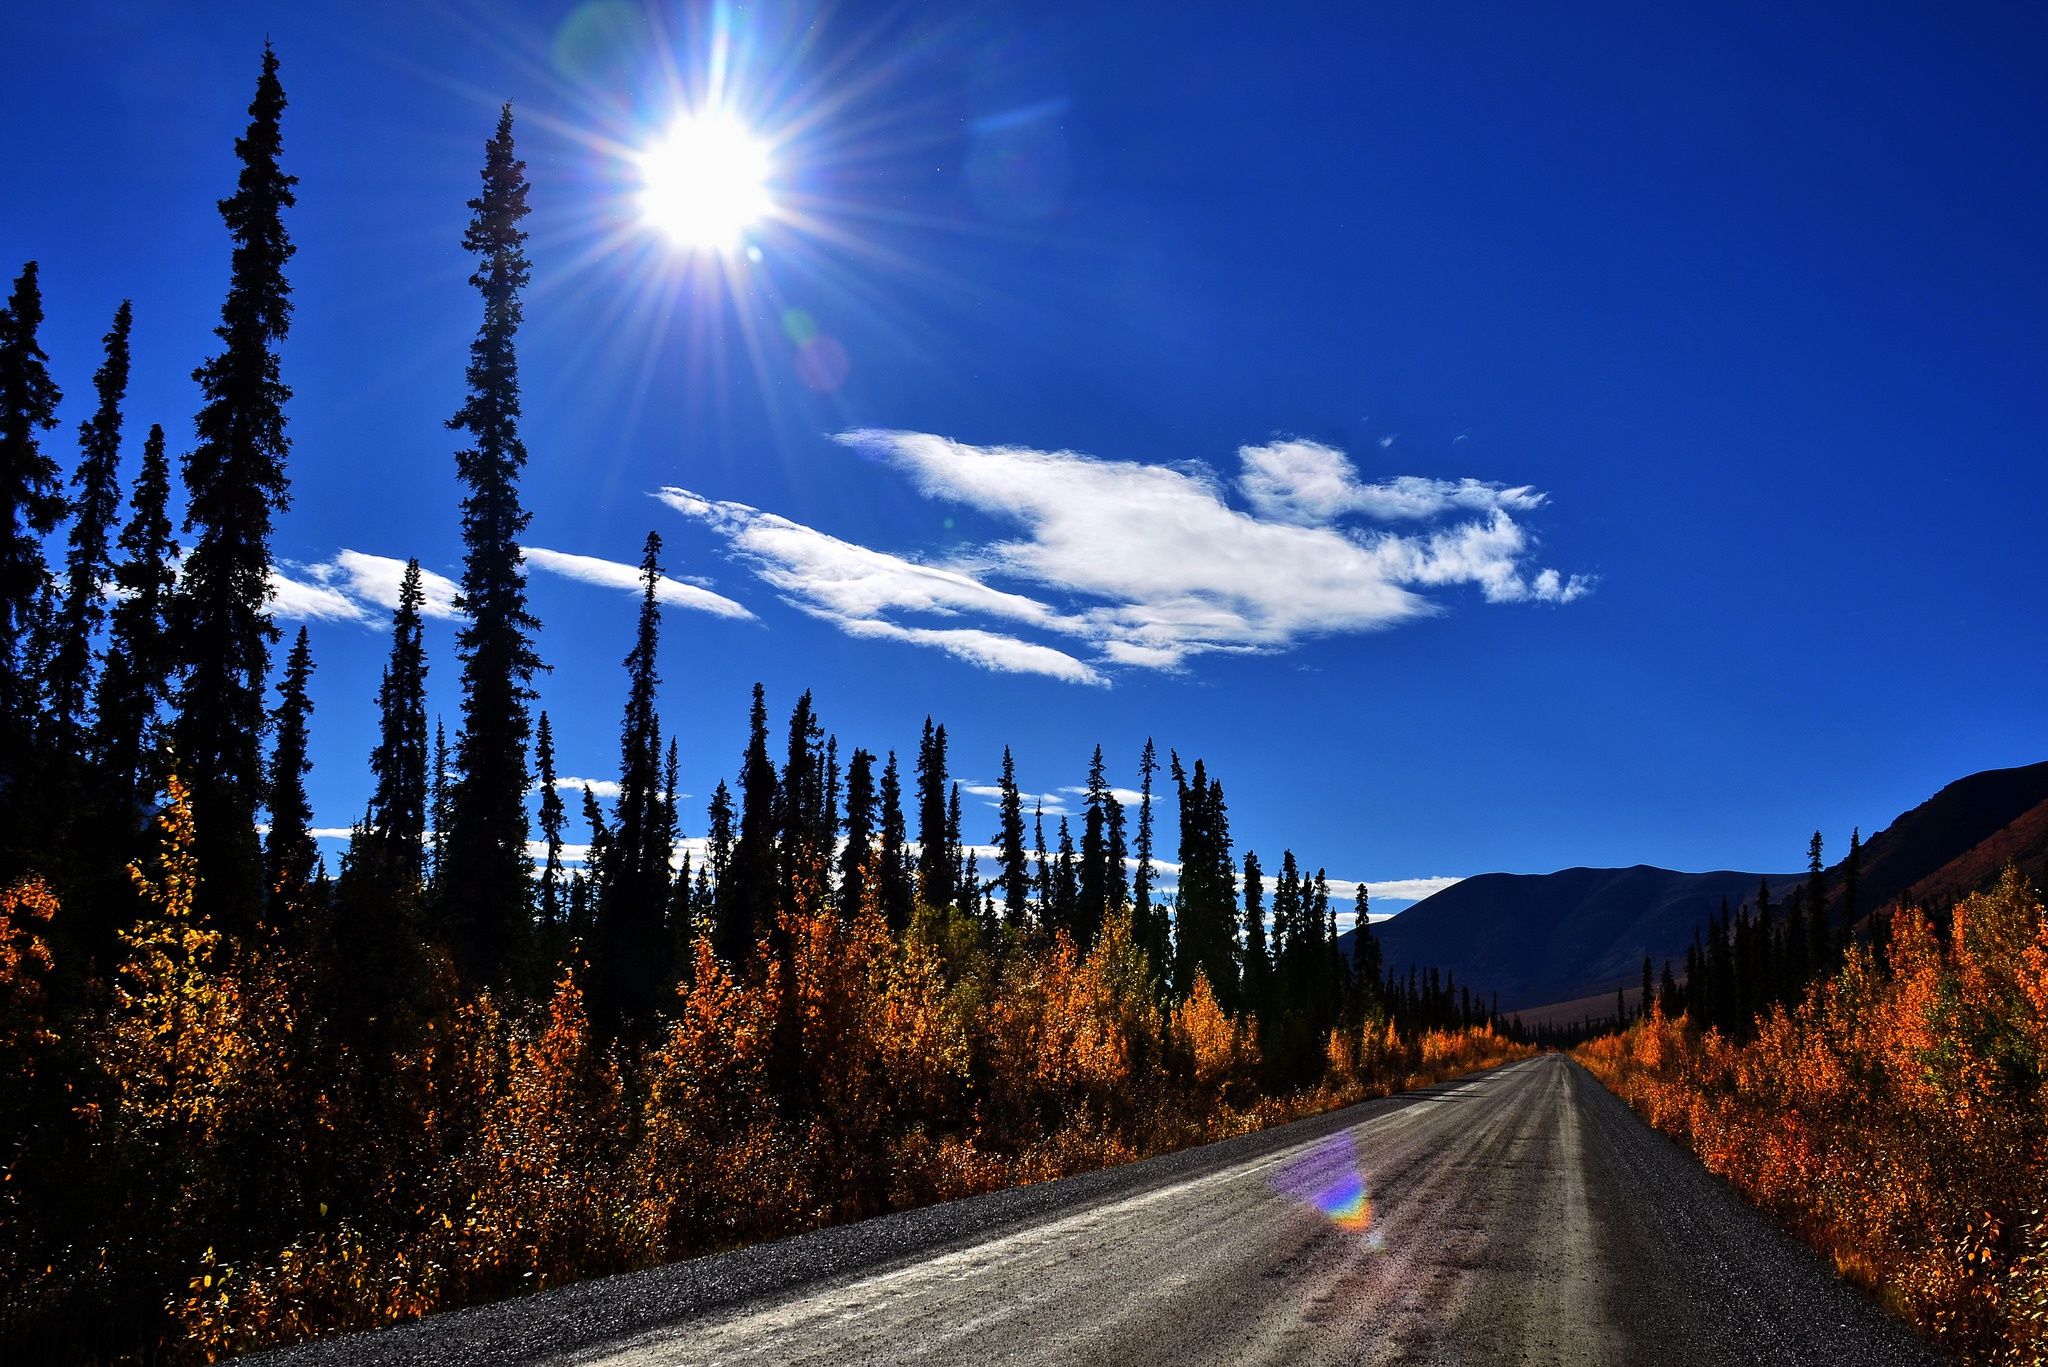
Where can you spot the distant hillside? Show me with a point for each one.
(1975, 824)
(1545, 939)
(1551, 937)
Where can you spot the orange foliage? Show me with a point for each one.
(1897, 1120)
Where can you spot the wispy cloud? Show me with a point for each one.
(1148, 565)
(612, 574)
(300, 601)
(352, 587)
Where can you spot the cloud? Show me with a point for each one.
(1312, 484)
(376, 579)
(852, 586)
(298, 601)
(612, 574)
(351, 587)
(599, 787)
(1147, 566)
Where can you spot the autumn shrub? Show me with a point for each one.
(244, 1174)
(1896, 1120)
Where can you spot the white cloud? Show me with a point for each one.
(1149, 565)
(1312, 484)
(852, 586)
(298, 601)
(600, 787)
(376, 579)
(611, 574)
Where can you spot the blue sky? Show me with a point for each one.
(1492, 437)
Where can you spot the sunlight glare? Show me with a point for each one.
(706, 182)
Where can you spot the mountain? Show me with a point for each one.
(1974, 824)
(1550, 937)
(1543, 939)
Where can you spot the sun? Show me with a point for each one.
(705, 182)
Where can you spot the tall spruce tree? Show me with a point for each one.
(31, 502)
(1148, 920)
(857, 869)
(235, 481)
(552, 815)
(1820, 944)
(89, 564)
(290, 853)
(399, 764)
(1014, 866)
(487, 887)
(892, 862)
(748, 895)
(1258, 968)
(806, 843)
(1205, 909)
(633, 890)
(440, 802)
(719, 833)
(135, 684)
(934, 859)
(1852, 879)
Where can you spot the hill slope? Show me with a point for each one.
(1538, 939)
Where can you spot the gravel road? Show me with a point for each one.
(1521, 1216)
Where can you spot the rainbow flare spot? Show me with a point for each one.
(1327, 1177)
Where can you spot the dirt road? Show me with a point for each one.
(1522, 1216)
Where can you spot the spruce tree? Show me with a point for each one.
(31, 502)
(719, 833)
(89, 565)
(934, 862)
(898, 890)
(634, 884)
(1015, 869)
(1852, 877)
(289, 851)
(135, 684)
(552, 816)
(440, 802)
(487, 886)
(1257, 967)
(1820, 944)
(1365, 946)
(857, 860)
(235, 481)
(1066, 885)
(806, 844)
(398, 765)
(748, 895)
(1042, 864)
(1147, 920)
(1094, 852)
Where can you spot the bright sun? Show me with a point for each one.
(705, 182)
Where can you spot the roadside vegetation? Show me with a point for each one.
(1892, 1114)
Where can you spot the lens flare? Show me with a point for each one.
(706, 182)
(1327, 1177)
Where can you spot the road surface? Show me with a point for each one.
(1521, 1216)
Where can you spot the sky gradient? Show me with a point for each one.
(1493, 439)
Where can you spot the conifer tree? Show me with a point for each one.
(1094, 852)
(1820, 944)
(135, 685)
(1257, 967)
(719, 834)
(1066, 884)
(806, 846)
(552, 815)
(1042, 864)
(398, 765)
(235, 481)
(633, 885)
(486, 887)
(748, 895)
(1146, 919)
(897, 889)
(1852, 877)
(88, 566)
(440, 802)
(31, 502)
(289, 851)
(857, 860)
(962, 872)
(934, 861)
(1015, 870)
